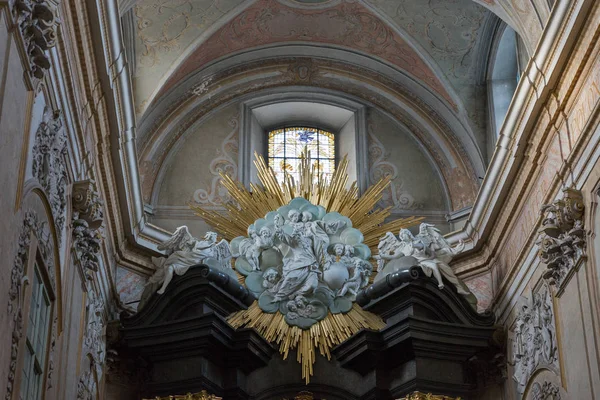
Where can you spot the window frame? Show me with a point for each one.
(289, 125)
(35, 265)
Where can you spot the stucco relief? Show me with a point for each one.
(534, 342)
(94, 347)
(225, 162)
(347, 24)
(395, 195)
(48, 165)
(31, 225)
(37, 21)
(562, 238)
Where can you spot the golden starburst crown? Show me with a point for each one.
(335, 195)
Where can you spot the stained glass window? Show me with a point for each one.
(287, 144)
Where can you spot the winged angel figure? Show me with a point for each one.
(431, 250)
(183, 251)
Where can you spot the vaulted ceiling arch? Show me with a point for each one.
(428, 127)
(174, 38)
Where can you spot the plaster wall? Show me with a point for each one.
(416, 185)
(13, 103)
(22, 103)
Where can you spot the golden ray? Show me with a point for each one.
(334, 195)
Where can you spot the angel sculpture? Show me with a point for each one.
(429, 248)
(252, 247)
(183, 251)
(359, 279)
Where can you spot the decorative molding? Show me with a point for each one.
(87, 220)
(534, 341)
(48, 166)
(19, 280)
(37, 21)
(94, 347)
(545, 391)
(51, 355)
(562, 239)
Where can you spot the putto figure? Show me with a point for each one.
(183, 251)
(429, 249)
(303, 262)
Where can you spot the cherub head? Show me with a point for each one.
(338, 249)
(405, 235)
(307, 216)
(211, 236)
(271, 275)
(349, 250)
(265, 232)
(294, 215)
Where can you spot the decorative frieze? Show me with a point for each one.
(562, 239)
(37, 21)
(48, 166)
(31, 224)
(534, 341)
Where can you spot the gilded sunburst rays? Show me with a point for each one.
(334, 194)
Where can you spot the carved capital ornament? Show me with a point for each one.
(562, 238)
(37, 21)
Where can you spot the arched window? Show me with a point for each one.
(286, 145)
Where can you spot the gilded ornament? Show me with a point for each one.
(306, 254)
(203, 395)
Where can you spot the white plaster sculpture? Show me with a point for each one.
(359, 279)
(184, 250)
(534, 338)
(304, 263)
(251, 248)
(300, 265)
(432, 252)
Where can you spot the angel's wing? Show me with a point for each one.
(180, 237)
(223, 253)
(388, 243)
(437, 238)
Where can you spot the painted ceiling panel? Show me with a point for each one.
(165, 29)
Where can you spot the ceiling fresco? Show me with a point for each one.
(434, 41)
